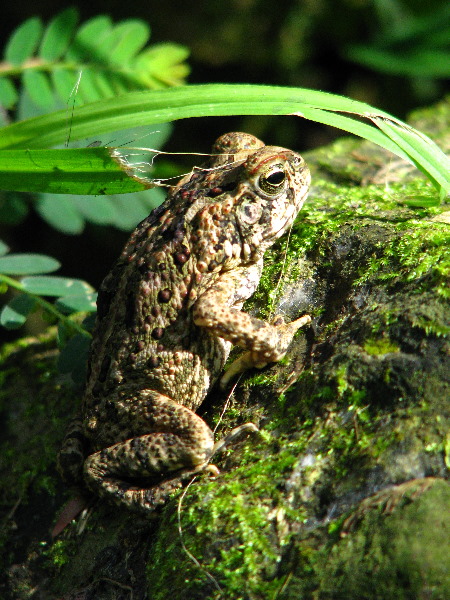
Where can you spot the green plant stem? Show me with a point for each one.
(47, 306)
(37, 64)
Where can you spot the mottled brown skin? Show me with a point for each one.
(169, 312)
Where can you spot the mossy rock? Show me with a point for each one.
(343, 493)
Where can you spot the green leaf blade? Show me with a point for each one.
(8, 93)
(77, 303)
(58, 34)
(88, 38)
(38, 87)
(4, 249)
(27, 264)
(60, 213)
(24, 41)
(83, 171)
(352, 126)
(130, 36)
(158, 106)
(427, 157)
(55, 286)
(15, 313)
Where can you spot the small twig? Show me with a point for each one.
(227, 403)
(10, 515)
(281, 589)
(122, 586)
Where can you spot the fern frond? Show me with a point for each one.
(98, 60)
(46, 66)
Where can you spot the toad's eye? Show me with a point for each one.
(272, 181)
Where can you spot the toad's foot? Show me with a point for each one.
(284, 334)
(149, 499)
(223, 444)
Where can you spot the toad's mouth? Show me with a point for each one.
(287, 220)
(284, 225)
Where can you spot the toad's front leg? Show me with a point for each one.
(264, 342)
(252, 358)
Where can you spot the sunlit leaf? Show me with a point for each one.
(67, 171)
(148, 108)
(427, 157)
(8, 93)
(88, 38)
(95, 62)
(24, 41)
(130, 36)
(38, 87)
(163, 63)
(58, 34)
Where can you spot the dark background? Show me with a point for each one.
(287, 42)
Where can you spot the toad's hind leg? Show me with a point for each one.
(177, 439)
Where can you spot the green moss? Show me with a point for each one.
(422, 249)
(379, 346)
(61, 552)
(447, 450)
(236, 515)
(417, 246)
(35, 426)
(237, 506)
(398, 556)
(261, 379)
(393, 552)
(242, 525)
